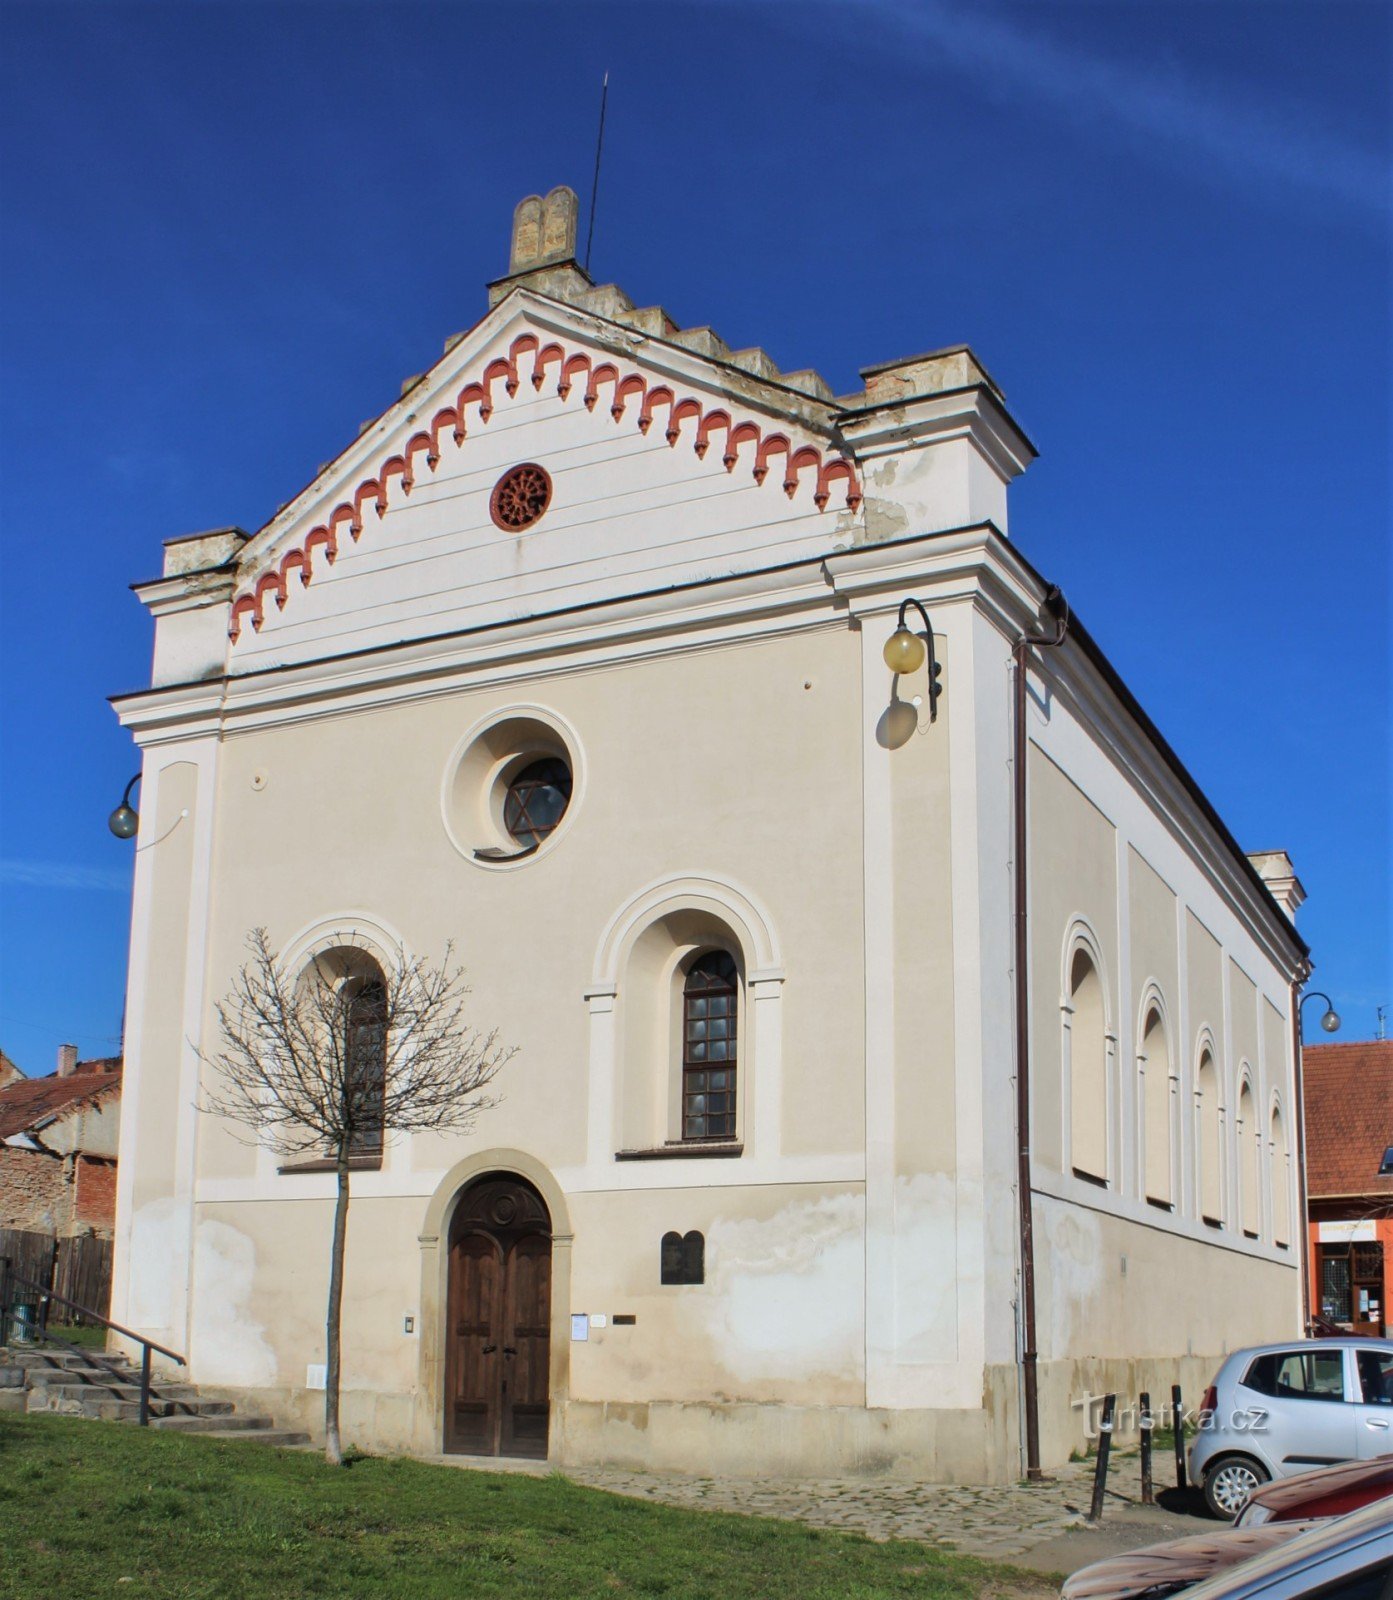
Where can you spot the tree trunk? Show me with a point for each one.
(333, 1446)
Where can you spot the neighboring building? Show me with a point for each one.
(9, 1072)
(575, 658)
(1349, 1182)
(58, 1142)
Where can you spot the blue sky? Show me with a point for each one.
(227, 232)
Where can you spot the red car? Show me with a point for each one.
(1278, 1511)
(1327, 1492)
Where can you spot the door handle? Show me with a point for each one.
(510, 1350)
(489, 1349)
(1374, 1422)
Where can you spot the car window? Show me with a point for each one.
(1299, 1375)
(1376, 1376)
(1371, 1583)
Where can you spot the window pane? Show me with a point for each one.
(1327, 1375)
(1311, 1376)
(1376, 1377)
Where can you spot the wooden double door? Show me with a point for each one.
(498, 1352)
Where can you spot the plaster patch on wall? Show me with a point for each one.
(157, 1242)
(926, 1268)
(788, 1291)
(228, 1345)
(1075, 1271)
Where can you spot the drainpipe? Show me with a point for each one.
(1057, 607)
(1302, 1200)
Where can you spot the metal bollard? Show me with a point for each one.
(1148, 1492)
(1178, 1424)
(1100, 1472)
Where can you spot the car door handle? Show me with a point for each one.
(1374, 1422)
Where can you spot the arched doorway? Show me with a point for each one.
(498, 1320)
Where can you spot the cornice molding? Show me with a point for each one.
(974, 412)
(186, 591)
(1082, 690)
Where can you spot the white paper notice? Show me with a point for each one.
(580, 1326)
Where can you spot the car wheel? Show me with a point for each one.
(1229, 1484)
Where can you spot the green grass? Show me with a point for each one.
(92, 1509)
(93, 1338)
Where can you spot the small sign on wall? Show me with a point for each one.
(580, 1327)
(316, 1375)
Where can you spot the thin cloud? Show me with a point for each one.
(61, 875)
(1169, 112)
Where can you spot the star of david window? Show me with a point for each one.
(536, 800)
(520, 497)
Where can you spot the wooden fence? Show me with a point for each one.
(78, 1268)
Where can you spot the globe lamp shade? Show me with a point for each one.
(1331, 1021)
(904, 651)
(123, 822)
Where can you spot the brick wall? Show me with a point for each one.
(35, 1191)
(95, 1203)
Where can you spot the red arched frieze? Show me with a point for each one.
(658, 395)
(378, 491)
(633, 384)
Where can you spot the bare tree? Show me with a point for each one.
(331, 1061)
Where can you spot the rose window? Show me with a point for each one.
(520, 497)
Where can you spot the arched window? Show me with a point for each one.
(1156, 1111)
(1088, 1071)
(365, 1059)
(1281, 1181)
(1209, 1141)
(710, 998)
(1248, 1136)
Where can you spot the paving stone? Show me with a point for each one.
(996, 1521)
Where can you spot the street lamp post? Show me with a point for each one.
(1331, 1020)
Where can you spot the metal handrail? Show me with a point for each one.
(9, 1276)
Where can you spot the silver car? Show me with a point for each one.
(1280, 1409)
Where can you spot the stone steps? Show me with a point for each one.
(107, 1389)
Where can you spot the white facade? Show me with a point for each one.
(695, 625)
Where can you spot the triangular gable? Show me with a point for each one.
(650, 438)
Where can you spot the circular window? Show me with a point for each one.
(520, 497)
(510, 785)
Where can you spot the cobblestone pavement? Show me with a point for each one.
(996, 1522)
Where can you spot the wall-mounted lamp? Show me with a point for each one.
(1331, 1020)
(125, 820)
(906, 652)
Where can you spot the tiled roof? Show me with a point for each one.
(1349, 1117)
(31, 1101)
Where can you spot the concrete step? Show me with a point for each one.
(108, 1409)
(22, 1356)
(89, 1384)
(80, 1375)
(112, 1403)
(224, 1422)
(284, 1438)
(120, 1388)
